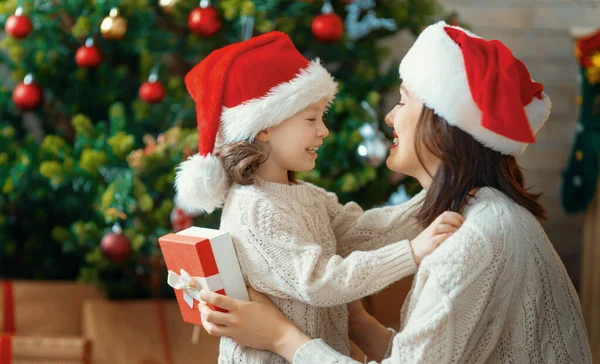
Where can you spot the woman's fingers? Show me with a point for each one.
(219, 300)
(214, 317)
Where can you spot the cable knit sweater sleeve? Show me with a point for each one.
(356, 229)
(279, 258)
(443, 319)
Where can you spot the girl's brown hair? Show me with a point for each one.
(465, 164)
(241, 160)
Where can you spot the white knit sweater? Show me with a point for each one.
(494, 292)
(294, 244)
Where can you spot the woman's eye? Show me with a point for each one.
(312, 119)
(400, 103)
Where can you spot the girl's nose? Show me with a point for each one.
(323, 131)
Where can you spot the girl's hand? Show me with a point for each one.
(256, 323)
(437, 232)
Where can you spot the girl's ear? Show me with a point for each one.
(263, 136)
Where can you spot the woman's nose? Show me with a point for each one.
(389, 119)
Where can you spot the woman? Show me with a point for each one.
(495, 291)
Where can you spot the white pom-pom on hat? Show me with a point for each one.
(201, 184)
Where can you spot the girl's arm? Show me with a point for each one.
(279, 258)
(356, 229)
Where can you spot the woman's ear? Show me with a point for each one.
(263, 136)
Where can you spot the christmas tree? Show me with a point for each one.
(580, 177)
(94, 117)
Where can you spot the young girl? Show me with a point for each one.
(262, 103)
(495, 291)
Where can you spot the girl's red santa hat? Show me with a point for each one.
(477, 86)
(240, 90)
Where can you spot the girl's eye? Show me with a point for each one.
(400, 103)
(312, 119)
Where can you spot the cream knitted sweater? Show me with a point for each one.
(494, 292)
(294, 244)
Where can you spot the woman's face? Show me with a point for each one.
(403, 156)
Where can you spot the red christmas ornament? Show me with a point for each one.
(28, 95)
(180, 219)
(115, 246)
(152, 92)
(88, 55)
(328, 26)
(18, 25)
(204, 20)
(148, 149)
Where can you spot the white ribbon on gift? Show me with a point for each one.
(191, 286)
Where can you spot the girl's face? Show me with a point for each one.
(403, 155)
(293, 145)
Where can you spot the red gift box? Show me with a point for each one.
(201, 258)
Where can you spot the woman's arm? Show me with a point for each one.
(260, 325)
(365, 331)
(256, 323)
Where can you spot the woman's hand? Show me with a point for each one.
(437, 232)
(356, 315)
(256, 323)
(366, 332)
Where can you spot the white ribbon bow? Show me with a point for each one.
(190, 285)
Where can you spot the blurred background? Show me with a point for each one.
(94, 117)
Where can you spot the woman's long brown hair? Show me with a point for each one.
(465, 165)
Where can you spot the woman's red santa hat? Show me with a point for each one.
(240, 90)
(477, 86)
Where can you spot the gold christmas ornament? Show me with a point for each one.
(168, 5)
(595, 58)
(134, 159)
(579, 155)
(593, 75)
(114, 26)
